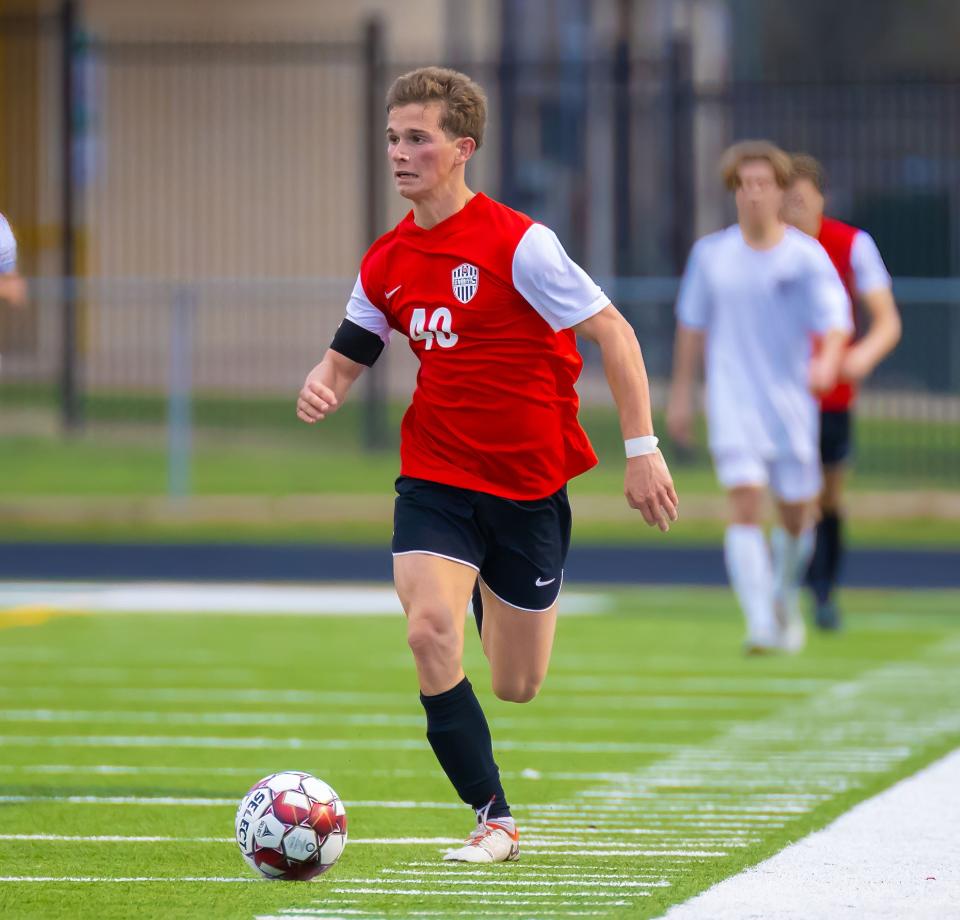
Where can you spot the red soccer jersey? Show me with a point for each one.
(837, 238)
(486, 298)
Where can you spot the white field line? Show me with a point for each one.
(559, 874)
(557, 699)
(47, 879)
(117, 838)
(491, 882)
(532, 844)
(480, 869)
(375, 719)
(200, 802)
(308, 914)
(451, 889)
(172, 598)
(327, 744)
(892, 856)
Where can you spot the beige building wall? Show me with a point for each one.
(225, 140)
(236, 161)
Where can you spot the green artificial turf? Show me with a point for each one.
(655, 762)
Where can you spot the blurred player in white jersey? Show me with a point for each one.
(12, 287)
(753, 296)
(858, 261)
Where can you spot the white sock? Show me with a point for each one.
(748, 567)
(791, 556)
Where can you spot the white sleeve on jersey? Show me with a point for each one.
(552, 283)
(8, 248)
(362, 312)
(869, 272)
(828, 300)
(693, 301)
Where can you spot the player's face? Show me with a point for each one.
(803, 206)
(421, 154)
(759, 198)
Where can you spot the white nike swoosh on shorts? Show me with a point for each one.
(543, 584)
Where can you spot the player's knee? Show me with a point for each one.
(516, 689)
(430, 633)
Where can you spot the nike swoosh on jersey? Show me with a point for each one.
(389, 294)
(543, 584)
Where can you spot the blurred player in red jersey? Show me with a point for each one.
(862, 271)
(753, 295)
(491, 305)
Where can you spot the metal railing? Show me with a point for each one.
(169, 359)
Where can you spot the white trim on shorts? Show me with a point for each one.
(426, 552)
(517, 606)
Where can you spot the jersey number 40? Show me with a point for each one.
(438, 329)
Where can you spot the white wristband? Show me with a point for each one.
(637, 447)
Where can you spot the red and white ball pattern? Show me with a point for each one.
(291, 826)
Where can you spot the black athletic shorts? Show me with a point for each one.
(836, 437)
(517, 547)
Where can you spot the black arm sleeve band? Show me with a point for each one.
(357, 344)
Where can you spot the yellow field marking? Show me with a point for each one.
(26, 615)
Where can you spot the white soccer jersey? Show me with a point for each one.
(869, 272)
(759, 310)
(8, 248)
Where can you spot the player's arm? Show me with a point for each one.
(825, 365)
(648, 485)
(326, 386)
(13, 289)
(693, 309)
(568, 298)
(358, 343)
(687, 358)
(885, 328)
(830, 319)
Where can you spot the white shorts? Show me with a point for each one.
(790, 479)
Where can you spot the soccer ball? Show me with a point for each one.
(291, 826)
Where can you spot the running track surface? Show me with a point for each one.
(865, 568)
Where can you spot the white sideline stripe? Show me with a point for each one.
(892, 856)
(328, 744)
(496, 873)
(117, 838)
(155, 878)
(435, 892)
(553, 847)
(113, 838)
(250, 718)
(584, 848)
(224, 598)
(196, 801)
(487, 881)
(558, 699)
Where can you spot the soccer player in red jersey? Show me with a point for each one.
(861, 269)
(491, 305)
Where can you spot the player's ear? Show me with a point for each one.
(465, 148)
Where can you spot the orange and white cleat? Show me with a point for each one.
(492, 840)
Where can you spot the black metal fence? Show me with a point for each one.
(245, 179)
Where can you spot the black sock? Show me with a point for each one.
(458, 733)
(827, 554)
(478, 607)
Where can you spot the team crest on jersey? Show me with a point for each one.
(466, 277)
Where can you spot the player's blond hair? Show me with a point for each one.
(809, 167)
(734, 157)
(463, 102)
